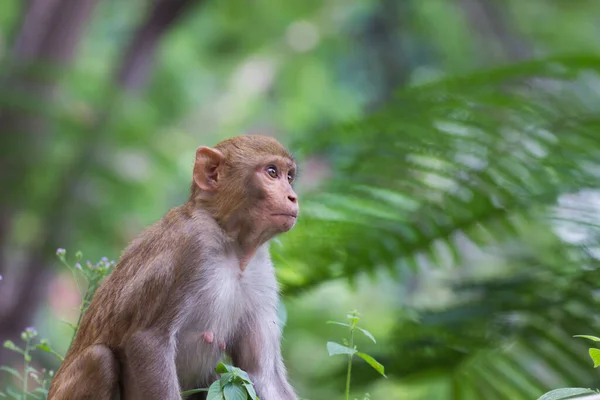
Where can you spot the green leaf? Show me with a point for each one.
(367, 334)
(12, 371)
(48, 349)
(567, 393)
(72, 326)
(215, 392)
(372, 362)
(594, 338)
(42, 391)
(226, 378)
(251, 392)
(44, 347)
(234, 392)
(595, 355)
(192, 391)
(338, 323)
(336, 348)
(241, 373)
(9, 344)
(222, 368)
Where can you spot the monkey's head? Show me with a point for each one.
(246, 184)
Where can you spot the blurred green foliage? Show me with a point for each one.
(449, 175)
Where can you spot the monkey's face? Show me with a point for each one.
(246, 184)
(278, 203)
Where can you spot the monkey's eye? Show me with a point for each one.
(290, 177)
(272, 171)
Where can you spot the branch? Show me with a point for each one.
(489, 20)
(136, 67)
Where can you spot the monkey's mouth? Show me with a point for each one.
(287, 215)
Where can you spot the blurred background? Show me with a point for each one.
(449, 171)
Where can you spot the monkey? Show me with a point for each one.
(197, 282)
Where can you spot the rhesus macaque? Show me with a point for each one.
(198, 281)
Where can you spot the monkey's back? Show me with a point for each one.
(139, 290)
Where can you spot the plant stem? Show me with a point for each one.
(349, 364)
(84, 304)
(73, 272)
(25, 368)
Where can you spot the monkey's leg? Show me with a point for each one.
(197, 357)
(149, 369)
(92, 375)
(257, 351)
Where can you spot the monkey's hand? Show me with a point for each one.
(209, 337)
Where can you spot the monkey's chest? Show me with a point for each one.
(218, 307)
(219, 303)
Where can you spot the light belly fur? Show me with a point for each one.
(218, 311)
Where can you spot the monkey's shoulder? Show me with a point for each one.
(191, 227)
(181, 232)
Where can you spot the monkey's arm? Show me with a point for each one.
(258, 352)
(125, 340)
(148, 349)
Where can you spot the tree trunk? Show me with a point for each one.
(386, 56)
(491, 24)
(132, 75)
(49, 34)
(136, 67)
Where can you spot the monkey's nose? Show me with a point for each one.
(293, 198)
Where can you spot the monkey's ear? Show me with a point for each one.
(206, 168)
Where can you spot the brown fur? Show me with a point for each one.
(204, 267)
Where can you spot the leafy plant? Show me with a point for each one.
(594, 352)
(92, 274)
(444, 174)
(41, 378)
(564, 394)
(572, 393)
(234, 384)
(350, 349)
